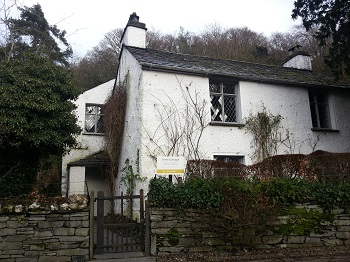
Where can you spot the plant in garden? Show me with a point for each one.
(131, 176)
(265, 128)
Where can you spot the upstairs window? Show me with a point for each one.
(223, 98)
(94, 115)
(319, 110)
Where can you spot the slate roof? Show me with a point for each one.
(151, 59)
(96, 159)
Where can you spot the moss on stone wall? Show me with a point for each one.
(302, 222)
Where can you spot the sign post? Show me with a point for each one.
(170, 165)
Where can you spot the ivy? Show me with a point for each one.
(218, 192)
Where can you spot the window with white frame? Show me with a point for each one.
(223, 98)
(230, 159)
(94, 114)
(319, 107)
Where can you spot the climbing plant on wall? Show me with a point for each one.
(114, 129)
(266, 130)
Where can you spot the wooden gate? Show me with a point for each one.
(121, 231)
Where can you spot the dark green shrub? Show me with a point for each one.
(287, 191)
(162, 193)
(194, 193)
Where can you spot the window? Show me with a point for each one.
(319, 110)
(94, 118)
(223, 97)
(230, 159)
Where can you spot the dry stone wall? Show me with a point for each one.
(301, 225)
(40, 234)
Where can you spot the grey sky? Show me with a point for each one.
(87, 21)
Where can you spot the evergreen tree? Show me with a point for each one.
(36, 95)
(332, 21)
(32, 33)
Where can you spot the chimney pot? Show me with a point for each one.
(134, 32)
(134, 17)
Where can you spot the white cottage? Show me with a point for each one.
(184, 105)
(83, 167)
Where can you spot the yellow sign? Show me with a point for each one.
(170, 165)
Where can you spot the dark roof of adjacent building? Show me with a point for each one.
(97, 159)
(151, 59)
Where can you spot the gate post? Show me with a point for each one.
(92, 226)
(100, 222)
(147, 230)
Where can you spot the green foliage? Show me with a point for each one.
(331, 194)
(240, 209)
(32, 33)
(303, 222)
(36, 99)
(130, 177)
(36, 117)
(173, 237)
(243, 194)
(326, 194)
(331, 18)
(287, 191)
(194, 193)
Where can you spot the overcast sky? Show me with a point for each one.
(87, 21)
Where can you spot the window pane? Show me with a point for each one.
(229, 159)
(91, 109)
(321, 99)
(214, 87)
(99, 110)
(314, 115)
(319, 110)
(229, 88)
(90, 123)
(99, 128)
(324, 117)
(216, 108)
(230, 108)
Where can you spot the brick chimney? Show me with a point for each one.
(134, 32)
(298, 59)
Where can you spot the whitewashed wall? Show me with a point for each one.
(130, 73)
(148, 91)
(290, 102)
(87, 143)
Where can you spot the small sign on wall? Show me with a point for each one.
(170, 165)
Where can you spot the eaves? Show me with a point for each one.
(203, 73)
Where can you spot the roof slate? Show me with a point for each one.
(96, 159)
(151, 59)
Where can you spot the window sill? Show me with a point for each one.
(316, 129)
(226, 124)
(93, 134)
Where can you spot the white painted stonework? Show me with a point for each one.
(151, 90)
(154, 97)
(134, 36)
(153, 94)
(87, 143)
(299, 62)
